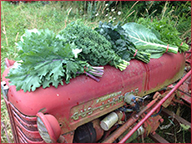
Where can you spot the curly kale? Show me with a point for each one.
(96, 49)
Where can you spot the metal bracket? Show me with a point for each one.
(4, 88)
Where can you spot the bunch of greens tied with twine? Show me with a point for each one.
(135, 41)
(49, 59)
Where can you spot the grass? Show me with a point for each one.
(6, 133)
(15, 19)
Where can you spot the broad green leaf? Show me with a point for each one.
(56, 69)
(143, 38)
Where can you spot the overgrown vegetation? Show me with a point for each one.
(15, 19)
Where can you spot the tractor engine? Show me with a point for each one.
(86, 111)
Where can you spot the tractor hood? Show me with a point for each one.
(84, 98)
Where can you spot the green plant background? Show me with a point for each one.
(15, 18)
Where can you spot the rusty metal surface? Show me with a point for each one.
(184, 90)
(12, 122)
(151, 124)
(68, 137)
(169, 100)
(98, 129)
(186, 98)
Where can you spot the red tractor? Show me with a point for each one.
(120, 108)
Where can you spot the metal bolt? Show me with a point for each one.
(60, 124)
(161, 120)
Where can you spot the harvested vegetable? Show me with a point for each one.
(165, 30)
(121, 44)
(47, 60)
(95, 48)
(145, 40)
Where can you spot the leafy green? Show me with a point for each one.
(147, 41)
(46, 59)
(121, 44)
(115, 35)
(165, 30)
(95, 48)
(185, 127)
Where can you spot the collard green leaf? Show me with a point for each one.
(115, 35)
(144, 39)
(165, 30)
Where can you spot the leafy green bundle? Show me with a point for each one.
(147, 41)
(121, 43)
(95, 48)
(165, 30)
(47, 59)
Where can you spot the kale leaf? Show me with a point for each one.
(95, 48)
(46, 59)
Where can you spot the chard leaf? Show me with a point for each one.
(165, 31)
(144, 39)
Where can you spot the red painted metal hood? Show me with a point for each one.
(59, 101)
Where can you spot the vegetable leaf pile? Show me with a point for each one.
(49, 59)
(46, 59)
(95, 48)
(121, 43)
(116, 36)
